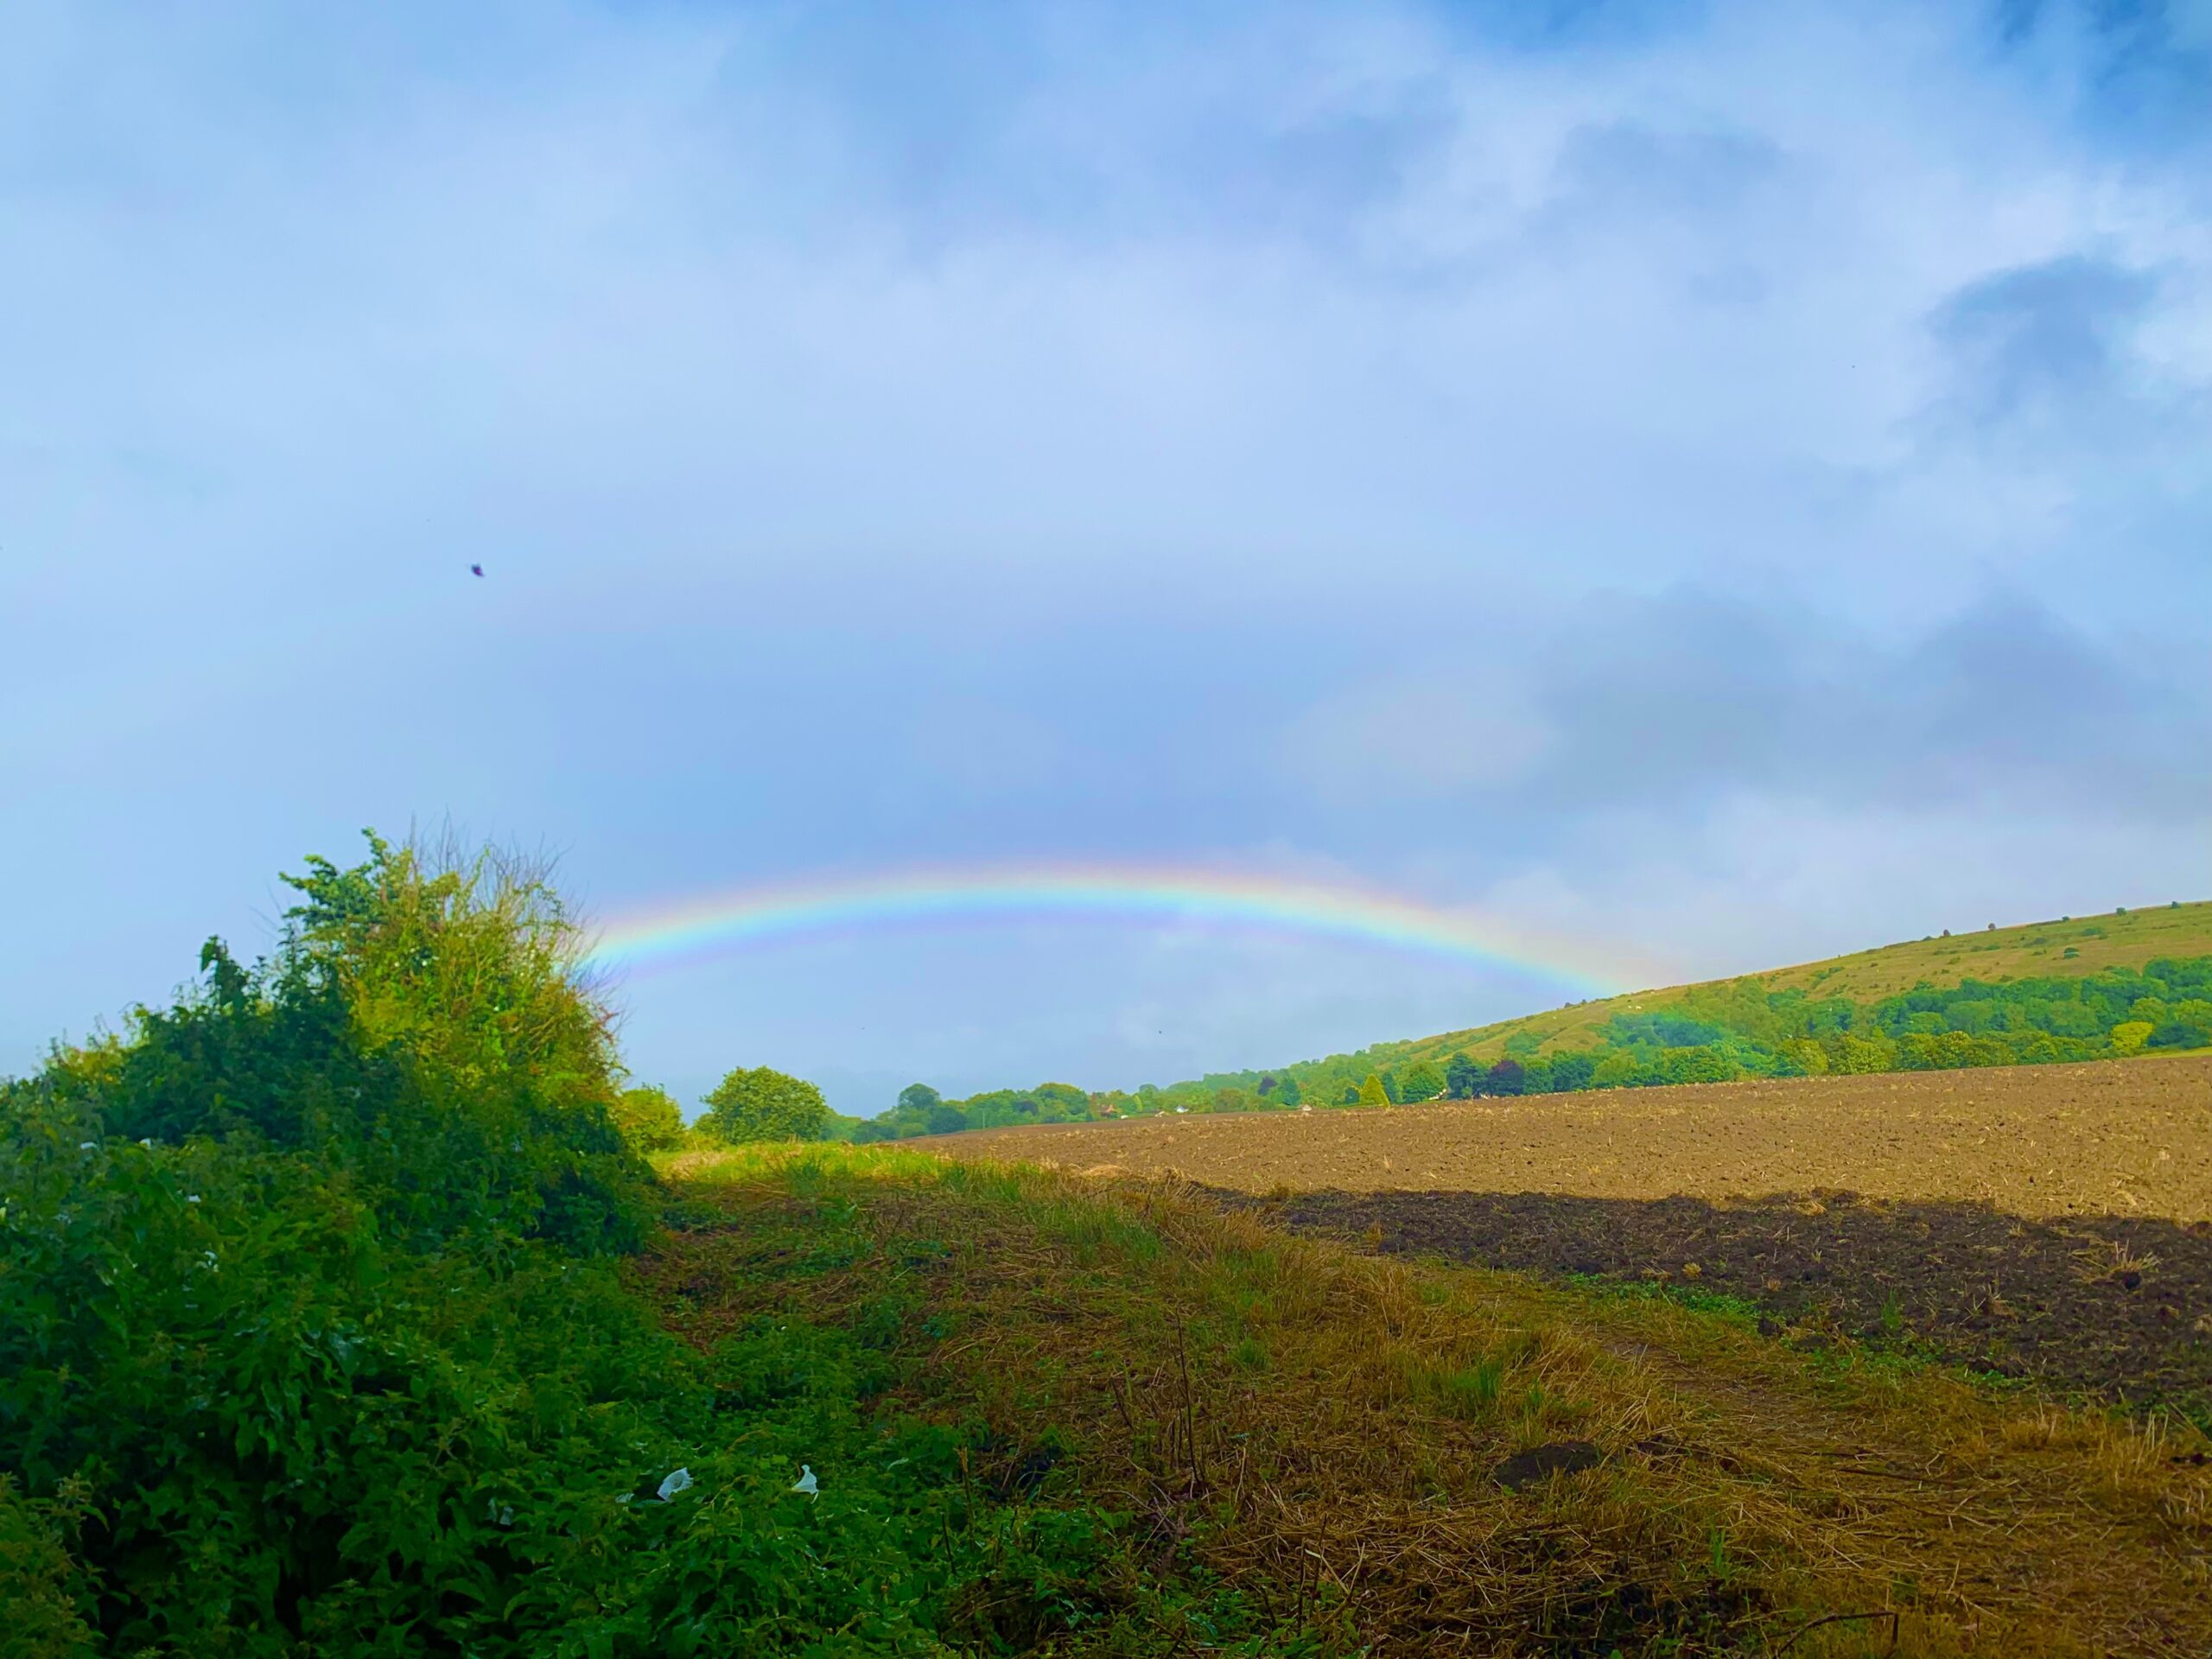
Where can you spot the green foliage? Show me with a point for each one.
(1420, 1081)
(1740, 1028)
(310, 1343)
(39, 1585)
(761, 1103)
(1708, 1034)
(419, 1036)
(649, 1118)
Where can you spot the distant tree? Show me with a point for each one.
(2177, 1033)
(1287, 1093)
(1618, 1069)
(1268, 1083)
(1233, 1100)
(649, 1118)
(1420, 1081)
(1371, 1093)
(1060, 1102)
(944, 1118)
(1506, 1077)
(1574, 1071)
(1850, 1055)
(2130, 1035)
(917, 1098)
(764, 1104)
(1351, 1094)
(1462, 1076)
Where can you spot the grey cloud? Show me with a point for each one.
(1670, 705)
(1631, 167)
(2044, 344)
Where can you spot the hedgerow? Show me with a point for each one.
(314, 1337)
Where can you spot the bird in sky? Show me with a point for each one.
(475, 569)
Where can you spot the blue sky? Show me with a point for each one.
(1725, 483)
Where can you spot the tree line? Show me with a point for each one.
(1715, 1033)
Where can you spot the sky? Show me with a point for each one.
(1721, 485)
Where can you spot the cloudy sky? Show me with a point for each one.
(1723, 484)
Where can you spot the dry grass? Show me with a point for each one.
(1323, 1428)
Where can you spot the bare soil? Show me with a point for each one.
(2053, 1222)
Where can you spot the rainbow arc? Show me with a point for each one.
(695, 929)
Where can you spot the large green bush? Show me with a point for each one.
(761, 1103)
(313, 1340)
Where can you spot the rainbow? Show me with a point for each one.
(694, 929)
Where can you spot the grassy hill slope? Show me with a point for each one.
(2095, 988)
(2071, 946)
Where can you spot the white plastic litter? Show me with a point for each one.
(678, 1480)
(805, 1483)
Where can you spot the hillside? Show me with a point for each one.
(2071, 947)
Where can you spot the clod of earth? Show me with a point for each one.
(1542, 1462)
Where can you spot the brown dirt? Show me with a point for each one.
(2049, 1221)
(1964, 1283)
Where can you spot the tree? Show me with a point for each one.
(1574, 1071)
(1461, 1077)
(763, 1104)
(918, 1097)
(1420, 1081)
(2177, 1033)
(1371, 1093)
(1287, 1093)
(1506, 1077)
(2130, 1035)
(649, 1118)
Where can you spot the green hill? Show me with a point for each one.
(2007, 962)
(2075, 988)
(2068, 948)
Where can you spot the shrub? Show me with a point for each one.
(763, 1104)
(309, 1343)
(2130, 1035)
(649, 1119)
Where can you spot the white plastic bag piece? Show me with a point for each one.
(678, 1480)
(805, 1483)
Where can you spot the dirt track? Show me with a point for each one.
(2054, 1221)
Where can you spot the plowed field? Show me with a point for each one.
(2052, 1220)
